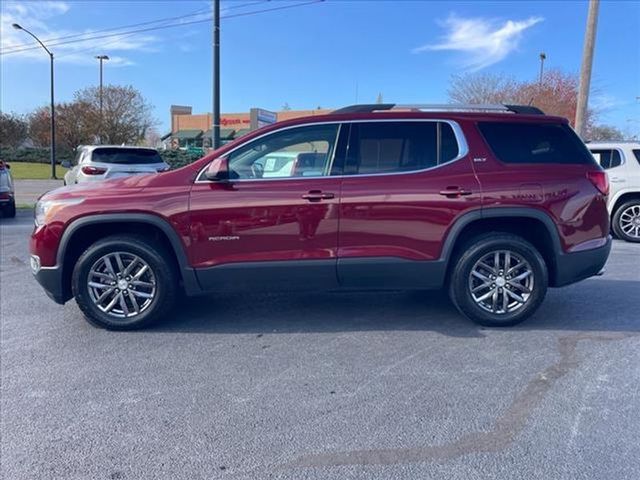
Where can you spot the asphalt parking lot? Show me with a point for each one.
(326, 386)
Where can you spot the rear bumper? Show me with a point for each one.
(6, 198)
(576, 266)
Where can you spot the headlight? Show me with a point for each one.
(46, 208)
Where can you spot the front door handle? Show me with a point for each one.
(455, 192)
(317, 195)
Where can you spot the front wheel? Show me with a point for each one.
(626, 221)
(124, 282)
(499, 280)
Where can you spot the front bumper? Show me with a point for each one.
(576, 266)
(50, 278)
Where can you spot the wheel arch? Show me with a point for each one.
(531, 224)
(624, 197)
(86, 230)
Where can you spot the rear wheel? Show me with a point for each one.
(499, 280)
(123, 283)
(626, 221)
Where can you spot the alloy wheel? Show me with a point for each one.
(501, 282)
(121, 284)
(630, 221)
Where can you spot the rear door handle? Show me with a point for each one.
(317, 195)
(455, 192)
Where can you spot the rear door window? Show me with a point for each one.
(125, 156)
(552, 143)
(607, 158)
(390, 147)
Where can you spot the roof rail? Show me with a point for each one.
(449, 107)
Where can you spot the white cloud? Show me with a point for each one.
(604, 101)
(483, 41)
(37, 17)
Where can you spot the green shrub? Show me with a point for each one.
(174, 158)
(32, 155)
(179, 158)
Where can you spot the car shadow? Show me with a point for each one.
(593, 305)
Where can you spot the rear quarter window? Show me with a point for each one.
(636, 153)
(607, 158)
(125, 156)
(541, 143)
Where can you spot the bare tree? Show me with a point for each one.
(13, 129)
(555, 94)
(473, 88)
(603, 133)
(126, 114)
(152, 138)
(76, 126)
(40, 126)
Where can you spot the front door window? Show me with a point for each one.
(295, 152)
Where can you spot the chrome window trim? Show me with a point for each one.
(463, 150)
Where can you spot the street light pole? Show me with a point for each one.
(53, 113)
(101, 58)
(543, 57)
(215, 131)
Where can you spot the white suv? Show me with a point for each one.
(103, 162)
(621, 160)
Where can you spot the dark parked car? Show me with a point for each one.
(495, 203)
(7, 193)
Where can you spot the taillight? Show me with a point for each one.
(599, 180)
(89, 170)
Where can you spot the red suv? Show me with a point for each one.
(495, 203)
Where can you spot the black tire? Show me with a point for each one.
(10, 210)
(476, 250)
(617, 219)
(155, 256)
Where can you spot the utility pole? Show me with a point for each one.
(53, 111)
(543, 57)
(101, 58)
(587, 64)
(215, 131)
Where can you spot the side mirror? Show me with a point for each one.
(218, 170)
(66, 164)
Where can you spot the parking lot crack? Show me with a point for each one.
(505, 429)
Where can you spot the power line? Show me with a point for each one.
(26, 46)
(180, 24)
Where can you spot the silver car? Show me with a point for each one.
(7, 194)
(104, 162)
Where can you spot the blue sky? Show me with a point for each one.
(320, 54)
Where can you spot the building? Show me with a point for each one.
(193, 131)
